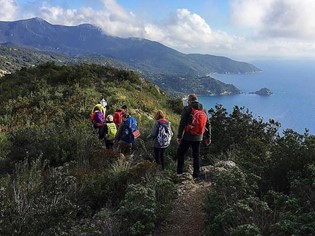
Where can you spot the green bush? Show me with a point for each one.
(165, 193)
(138, 210)
(101, 189)
(58, 143)
(273, 194)
(37, 202)
(246, 230)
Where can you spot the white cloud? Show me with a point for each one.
(184, 31)
(8, 10)
(276, 18)
(181, 30)
(272, 27)
(112, 18)
(190, 33)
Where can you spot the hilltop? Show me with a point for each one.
(55, 91)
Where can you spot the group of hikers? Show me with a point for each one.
(120, 132)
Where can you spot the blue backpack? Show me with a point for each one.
(130, 125)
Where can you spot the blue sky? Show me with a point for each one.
(239, 29)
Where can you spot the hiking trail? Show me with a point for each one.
(187, 217)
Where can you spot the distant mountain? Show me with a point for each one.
(34, 41)
(14, 58)
(142, 54)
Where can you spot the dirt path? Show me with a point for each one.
(187, 218)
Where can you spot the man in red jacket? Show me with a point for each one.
(187, 138)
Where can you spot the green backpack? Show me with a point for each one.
(112, 130)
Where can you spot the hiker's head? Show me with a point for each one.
(192, 98)
(125, 115)
(109, 118)
(159, 115)
(124, 108)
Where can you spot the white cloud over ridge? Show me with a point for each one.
(277, 18)
(275, 28)
(8, 10)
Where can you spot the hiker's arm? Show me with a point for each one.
(183, 122)
(207, 134)
(154, 131)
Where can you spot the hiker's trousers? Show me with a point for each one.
(182, 149)
(159, 156)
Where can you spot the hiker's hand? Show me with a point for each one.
(207, 141)
(178, 140)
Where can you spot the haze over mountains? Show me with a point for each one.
(150, 58)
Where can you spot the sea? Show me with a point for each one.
(292, 103)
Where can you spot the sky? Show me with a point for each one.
(240, 29)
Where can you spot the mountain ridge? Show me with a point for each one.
(153, 60)
(143, 54)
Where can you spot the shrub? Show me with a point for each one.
(246, 230)
(138, 210)
(58, 143)
(37, 204)
(165, 193)
(223, 202)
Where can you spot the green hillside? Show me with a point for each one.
(13, 58)
(56, 177)
(46, 138)
(51, 92)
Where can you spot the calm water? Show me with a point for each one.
(292, 102)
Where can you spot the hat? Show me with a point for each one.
(109, 118)
(192, 97)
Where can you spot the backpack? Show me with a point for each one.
(130, 125)
(98, 119)
(118, 117)
(164, 135)
(198, 124)
(112, 130)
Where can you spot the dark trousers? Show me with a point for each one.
(182, 149)
(109, 144)
(159, 156)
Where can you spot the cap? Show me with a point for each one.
(109, 118)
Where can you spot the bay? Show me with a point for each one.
(292, 102)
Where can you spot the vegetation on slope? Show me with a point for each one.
(13, 58)
(56, 178)
(271, 192)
